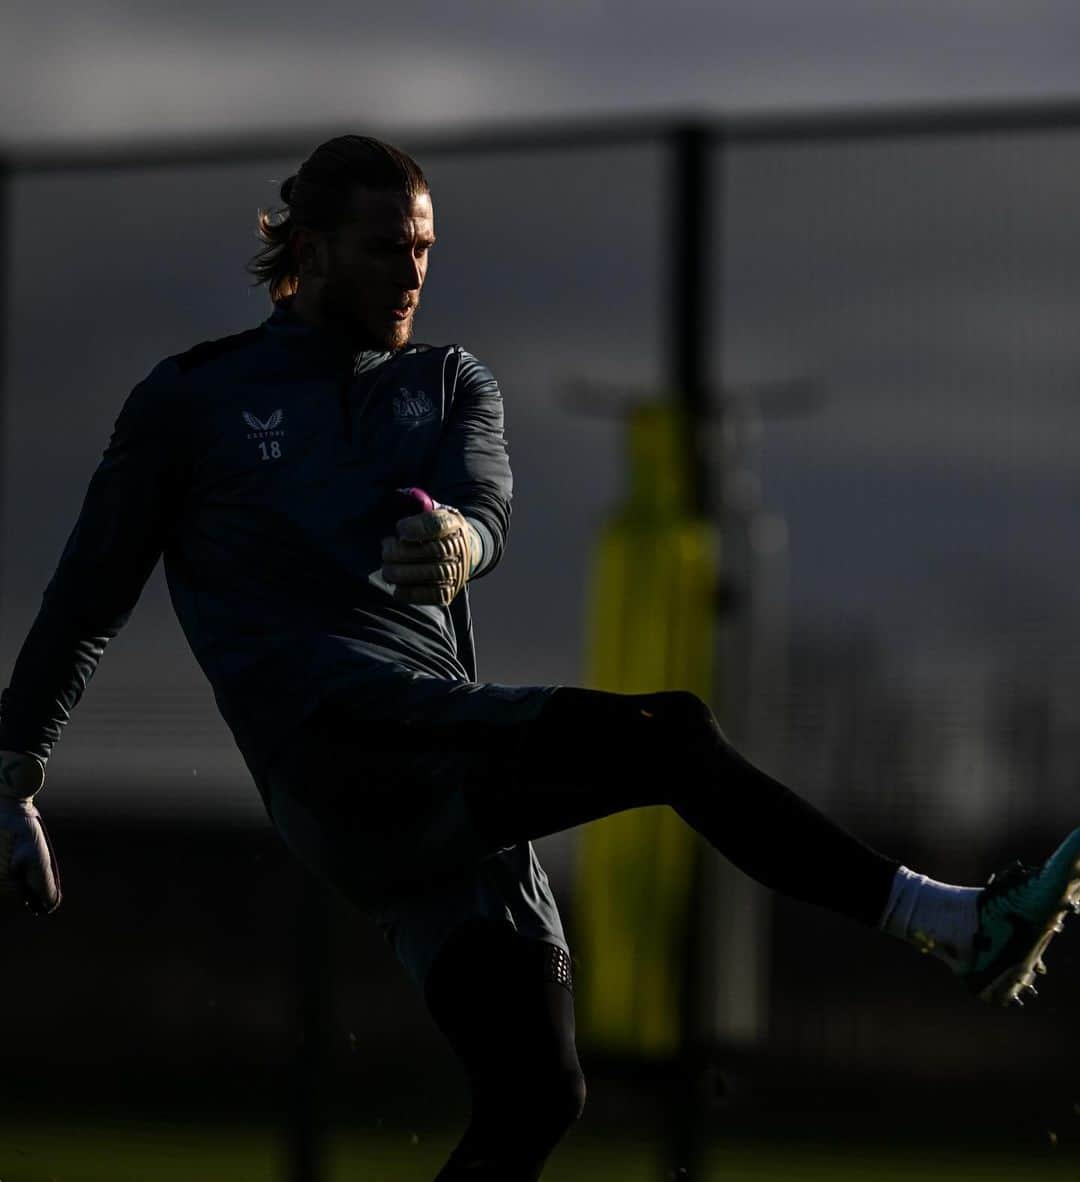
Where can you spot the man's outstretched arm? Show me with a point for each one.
(114, 546)
(126, 515)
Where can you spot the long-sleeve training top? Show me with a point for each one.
(263, 467)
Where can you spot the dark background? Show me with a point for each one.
(920, 622)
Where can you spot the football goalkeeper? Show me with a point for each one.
(330, 613)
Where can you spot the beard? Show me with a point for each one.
(342, 312)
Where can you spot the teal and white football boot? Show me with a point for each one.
(1020, 910)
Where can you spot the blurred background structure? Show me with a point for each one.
(885, 381)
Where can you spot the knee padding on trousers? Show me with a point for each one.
(615, 732)
(603, 714)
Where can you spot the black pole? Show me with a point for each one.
(693, 340)
(691, 239)
(306, 1141)
(7, 174)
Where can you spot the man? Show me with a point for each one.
(329, 610)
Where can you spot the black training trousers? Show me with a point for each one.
(587, 755)
(505, 1004)
(590, 753)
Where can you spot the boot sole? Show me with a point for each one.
(1006, 987)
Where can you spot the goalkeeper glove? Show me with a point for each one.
(432, 557)
(28, 867)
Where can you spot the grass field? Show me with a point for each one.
(41, 1152)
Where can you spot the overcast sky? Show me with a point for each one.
(96, 68)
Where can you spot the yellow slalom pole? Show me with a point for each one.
(651, 628)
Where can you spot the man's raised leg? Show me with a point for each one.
(590, 753)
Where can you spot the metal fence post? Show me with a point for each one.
(693, 216)
(306, 1118)
(7, 174)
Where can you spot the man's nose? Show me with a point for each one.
(411, 274)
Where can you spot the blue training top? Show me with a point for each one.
(263, 466)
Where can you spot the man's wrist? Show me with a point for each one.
(21, 775)
(480, 545)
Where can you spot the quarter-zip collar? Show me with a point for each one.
(346, 363)
(286, 326)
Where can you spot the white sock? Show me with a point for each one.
(934, 916)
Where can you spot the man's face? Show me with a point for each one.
(377, 261)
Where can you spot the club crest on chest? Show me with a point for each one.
(412, 407)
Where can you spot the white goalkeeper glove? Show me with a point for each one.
(28, 870)
(432, 557)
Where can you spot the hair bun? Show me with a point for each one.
(287, 188)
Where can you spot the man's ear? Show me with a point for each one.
(309, 253)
